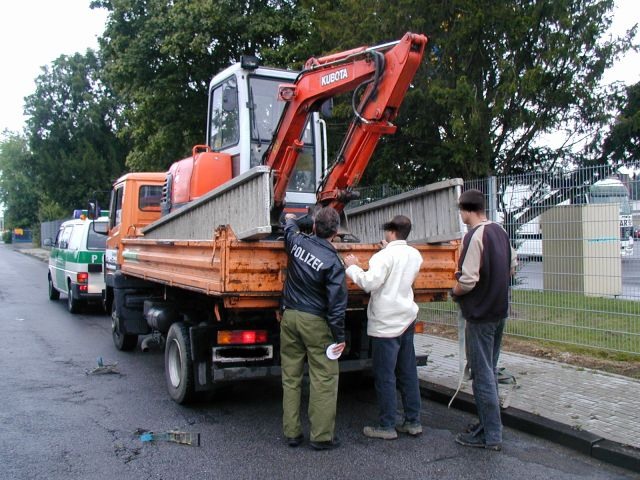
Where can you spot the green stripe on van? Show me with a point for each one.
(79, 256)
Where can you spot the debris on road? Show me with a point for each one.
(183, 438)
(103, 368)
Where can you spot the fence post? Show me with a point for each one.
(492, 198)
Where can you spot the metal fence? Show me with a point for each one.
(578, 278)
(49, 230)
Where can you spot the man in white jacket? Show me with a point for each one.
(392, 314)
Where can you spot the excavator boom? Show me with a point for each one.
(383, 75)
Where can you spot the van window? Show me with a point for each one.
(64, 238)
(149, 198)
(97, 238)
(76, 238)
(58, 238)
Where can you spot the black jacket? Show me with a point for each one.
(316, 280)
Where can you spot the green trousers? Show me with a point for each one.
(306, 335)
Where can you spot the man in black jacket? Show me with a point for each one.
(314, 301)
(486, 264)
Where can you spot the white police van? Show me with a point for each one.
(75, 262)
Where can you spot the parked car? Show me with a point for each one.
(529, 246)
(75, 262)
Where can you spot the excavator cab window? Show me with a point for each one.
(265, 111)
(223, 124)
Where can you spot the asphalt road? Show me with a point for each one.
(57, 422)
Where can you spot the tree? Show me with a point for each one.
(72, 120)
(623, 142)
(498, 76)
(18, 192)
(160, 57)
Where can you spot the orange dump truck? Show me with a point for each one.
(195, 258)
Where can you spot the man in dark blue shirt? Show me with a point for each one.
(315, 302)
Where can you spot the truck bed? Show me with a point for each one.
(251, 274)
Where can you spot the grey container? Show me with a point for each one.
(244, 203)
(433, 210)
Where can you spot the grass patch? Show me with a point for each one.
(573, 320)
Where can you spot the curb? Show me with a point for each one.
(32, 255)
(584, 442)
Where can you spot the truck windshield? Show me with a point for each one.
(265, 111)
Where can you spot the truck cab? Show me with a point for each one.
(135, 203)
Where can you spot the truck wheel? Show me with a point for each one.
(73, 304)
(178, 364)
(53, 293)
(123, 341)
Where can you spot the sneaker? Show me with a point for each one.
(379, 432)
(328, 445)
(295, 441)
(469, 440)
(411, 428)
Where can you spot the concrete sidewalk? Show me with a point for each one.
(604, 405)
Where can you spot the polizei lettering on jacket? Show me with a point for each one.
(333, 77)
(306, 257)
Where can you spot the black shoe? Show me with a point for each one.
(295, 441)
(328, 445)
(473, 428)
(470, 440)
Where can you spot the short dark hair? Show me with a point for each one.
(471, 201)
(327, 221)
(399, 224)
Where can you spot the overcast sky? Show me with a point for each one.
(33, 33)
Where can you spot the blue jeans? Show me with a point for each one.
(393, 356)
(483, 342)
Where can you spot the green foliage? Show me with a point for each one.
(71, 127)
(6, 236)
(498, 76)
(623, 142)
(18, 189)
(160, 57)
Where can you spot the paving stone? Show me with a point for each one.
(560, 392)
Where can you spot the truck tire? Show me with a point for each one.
(123, 341)
(53, 293)
(178, 364)
(73, 304)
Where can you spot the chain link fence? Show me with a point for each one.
(578, 278)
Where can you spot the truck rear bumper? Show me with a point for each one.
(228, 374)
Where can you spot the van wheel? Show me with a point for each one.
(178, 364)
(53, 293)
(123, 341)
(73, 304)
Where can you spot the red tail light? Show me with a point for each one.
(83, 277)
(241, 337)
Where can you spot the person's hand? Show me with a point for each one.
(289, 216)
(350, 260)
(338, 349)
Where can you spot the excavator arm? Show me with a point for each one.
(383, 72)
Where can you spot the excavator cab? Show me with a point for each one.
(243, 116)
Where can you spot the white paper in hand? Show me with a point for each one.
(330, 354)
